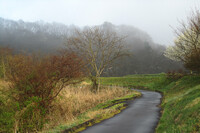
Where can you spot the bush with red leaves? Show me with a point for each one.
(36, 82)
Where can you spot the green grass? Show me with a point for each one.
(181, 102)
(133, 80)
(7, 111)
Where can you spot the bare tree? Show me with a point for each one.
(187, 43)
(99, 47)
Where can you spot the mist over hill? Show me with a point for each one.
(146, 56)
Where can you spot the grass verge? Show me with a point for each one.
(181, 101)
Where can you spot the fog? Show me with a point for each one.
(145, 56)
(153, 16)
(43, 26)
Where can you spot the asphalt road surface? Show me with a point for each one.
(141, 116)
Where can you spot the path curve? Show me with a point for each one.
(141, 116)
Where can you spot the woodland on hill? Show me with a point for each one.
(145, 56)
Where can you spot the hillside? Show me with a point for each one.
(145, 55)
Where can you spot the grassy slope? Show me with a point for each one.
(181, 103)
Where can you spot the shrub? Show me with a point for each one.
(6, 116)
(36, 82)
(193, 61)
(175, 75)
(187, 44)
(7, 109)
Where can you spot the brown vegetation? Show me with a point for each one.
(65, 109)
(175, 75)
(74, 100)
(40, 91)
(193, 60)
(36, 82)
(5, 53)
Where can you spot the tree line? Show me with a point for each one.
(145, 56)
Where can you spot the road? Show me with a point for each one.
(141, 116)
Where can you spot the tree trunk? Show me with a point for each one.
(95, 85)
(98, 84)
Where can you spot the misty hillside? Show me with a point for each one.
(146, 56)
(38, 36)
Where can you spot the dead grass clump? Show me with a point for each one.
(76, 100)
(4, 84)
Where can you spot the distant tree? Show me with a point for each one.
(99, 47)
(187, 43)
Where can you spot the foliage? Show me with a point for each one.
(7, 112)
(36, 82)
(187, 44)
(173, 75)
(193, 60)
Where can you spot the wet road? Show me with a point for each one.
(141, 116)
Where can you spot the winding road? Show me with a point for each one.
(141, 116)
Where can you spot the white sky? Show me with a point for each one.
(153, 16)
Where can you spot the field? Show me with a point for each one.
(134, 81)
(181, 99)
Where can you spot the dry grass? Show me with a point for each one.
(76, 100)
(4, 84)
(4, 88)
